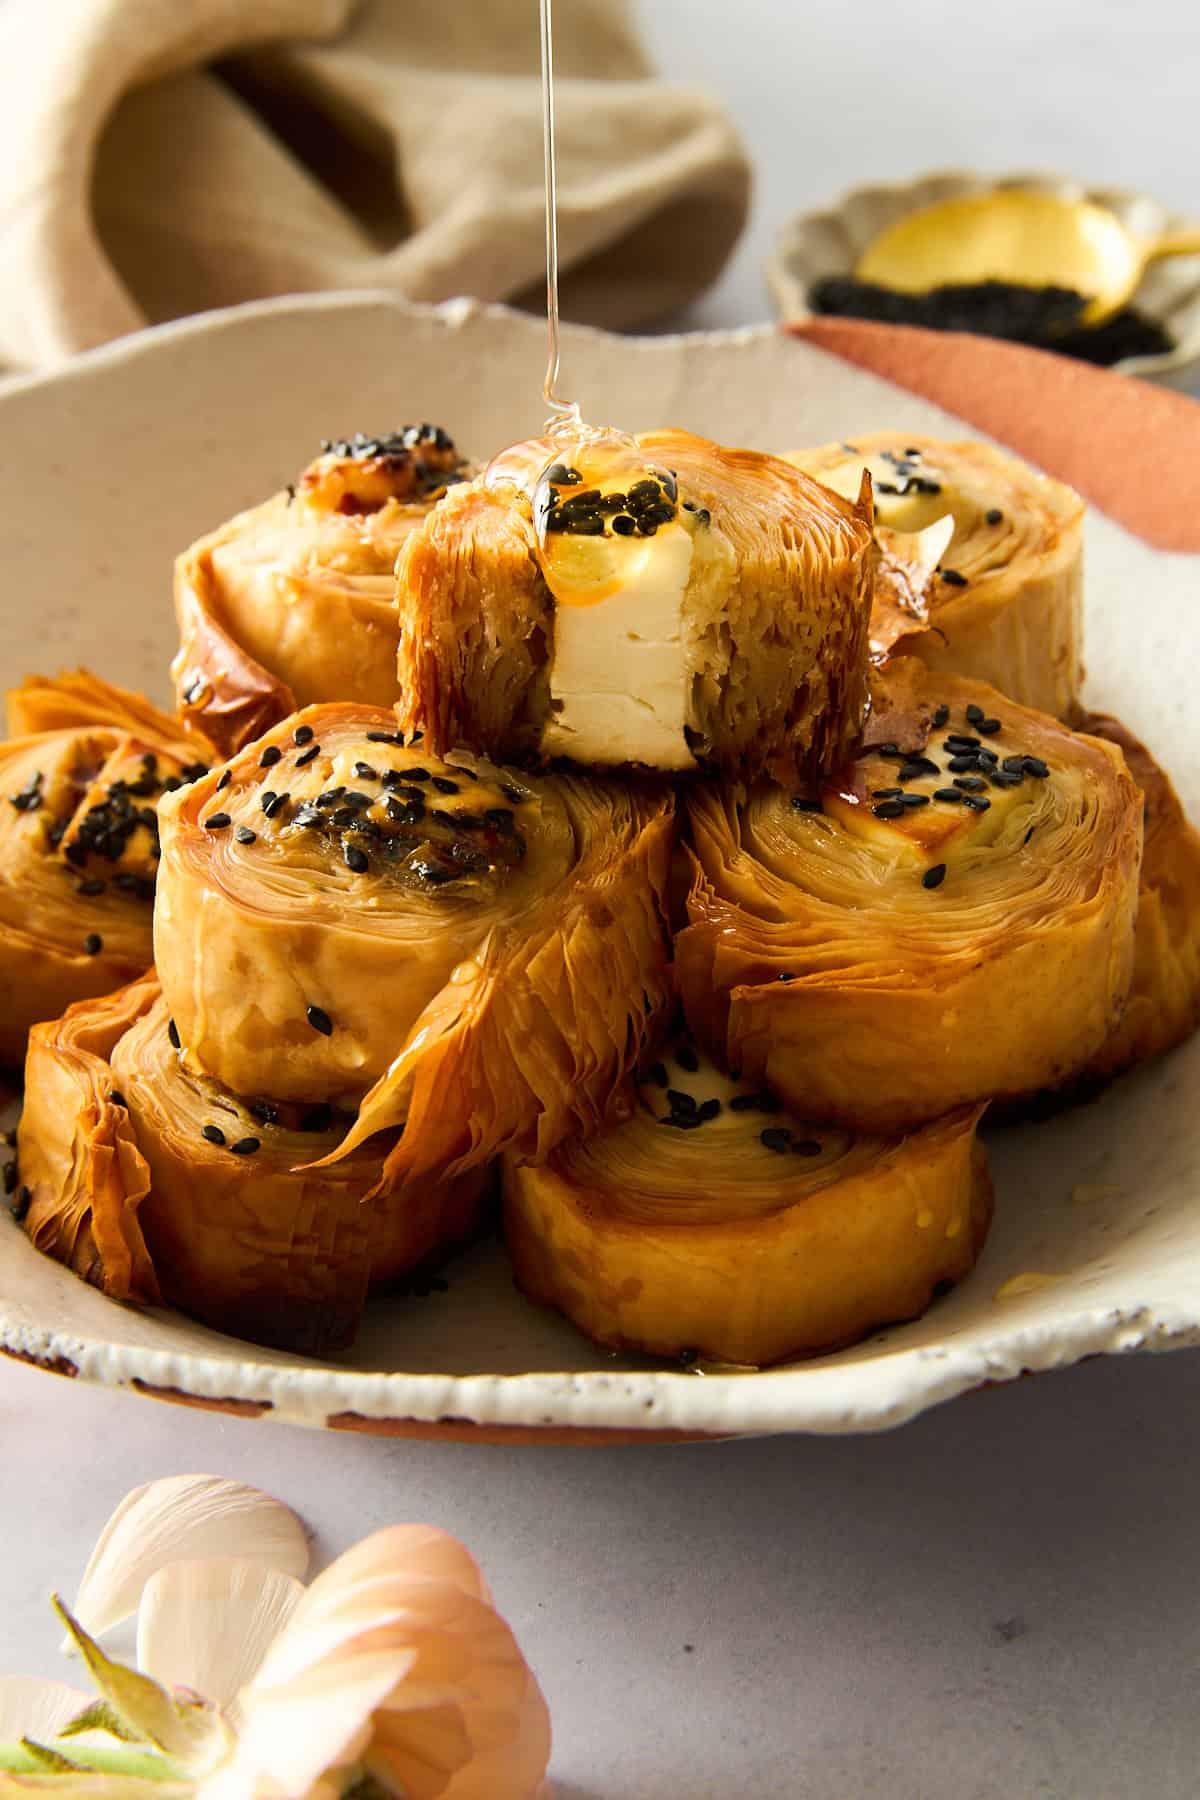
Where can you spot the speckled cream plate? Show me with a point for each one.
(111, 466)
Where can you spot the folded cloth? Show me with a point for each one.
(159, 157)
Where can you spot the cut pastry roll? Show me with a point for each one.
(714, 1223)
(947, 920)
(156, 1186)
(79, 789)
(1164, 1000)
(1000, 597)
(345, 917)
(665, 602)
(292, 601)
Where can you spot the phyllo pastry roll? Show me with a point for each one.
(994, 593)
(344, 917)
(1163, 1007)
(662, 601)
(79, 788)
(156, 1185)
(715, 1223)
(948, 919)
(292, 601)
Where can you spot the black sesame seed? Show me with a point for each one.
(499, 818)
(1036, 767)
(1005, 778)
(802, 803)
(562, 475)
(976, 802)
(313, 751)
(320, 1020)
(275, 805)
(389, 737)
(512, 794)
(703, 516)
(22, 1203)
(934, 877)
(244, 835)
(624, 526)
(355, 859)
(889, 809)
(173, 1034)
(89, 889)
(988, 727)
(961, 740)
(891, 750)
(941, 715)
(917, 765)
(213, 1134)
(952, 578)
(994, 516)
(93, 943)
(303, 734)
(365, 772)
(216, 821)
(10, 1177)
(306, 814)
(226, 778)
(270, 756)
(246, 1146)
(687, 1059)
(963, 765)
(974, 713)
(647, 528)
(444, 785)
(116, 1097)
(806, 1147)
(882, 794)
(680, 1102)
(952, 796)
(775, 1137)
(708, 1109)
(268, 798)
(1013, 765)
(970, 784)
(911, 800)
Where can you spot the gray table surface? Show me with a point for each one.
(998, 1600)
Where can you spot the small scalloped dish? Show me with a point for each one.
(831, 240)
(148, 443)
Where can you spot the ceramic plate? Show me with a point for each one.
(112, 466)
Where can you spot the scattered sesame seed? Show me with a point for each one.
(708, 1109)
(959, 741)
(889, 809)
(89, 889)
(355, 859)
(775, 1137)
(804, 804)
(911, 800)
(213, 1134)
(974, 713)
(116, 1097)
(687, 1059)
(270, 756)
(806, 1147)
(444, 785)
(953, 796)
(303, 734)
(952, 578)
(934, 877)
(22, 1203)
(173, 1034)
(994, 516)
(365, 772)
(970, 784)
(10, 1177)
(988, 726)
(882, 794)
(680, 1102)
(320, 1020)
(93, 943)
(1005, 778)
(246, 1146)
(976, 802)
(941, 715)
(388, 737)
(216, 821)
(226, 778)
(244, 835)
(963, 765)
(275, 805)
(1036, 767)
(314, 750)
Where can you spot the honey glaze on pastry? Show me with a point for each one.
(948, 920)
(661, 600)
(477, 954)
(159, 1186)
(1001, 598)
(291, 602)
(715, 1223)
(79, 790)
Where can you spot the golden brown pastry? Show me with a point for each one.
(343, 917)
(292, 601)
(666, 602)
(947, 920)
(1163, 1007)
(1001, 599)
(157, 1186)
(713, 1223)
(79, 787)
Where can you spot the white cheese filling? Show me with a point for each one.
(618, 680)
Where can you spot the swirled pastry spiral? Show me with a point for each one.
(1001, 600)
(79, 788)
(714, 1223)
(292, 601)
(156, 1185)
(481, 956)
(667, 603)
(949, 919)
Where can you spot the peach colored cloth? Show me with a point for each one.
(1129, 447)
(159, 157)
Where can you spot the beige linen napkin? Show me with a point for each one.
(158, 157)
